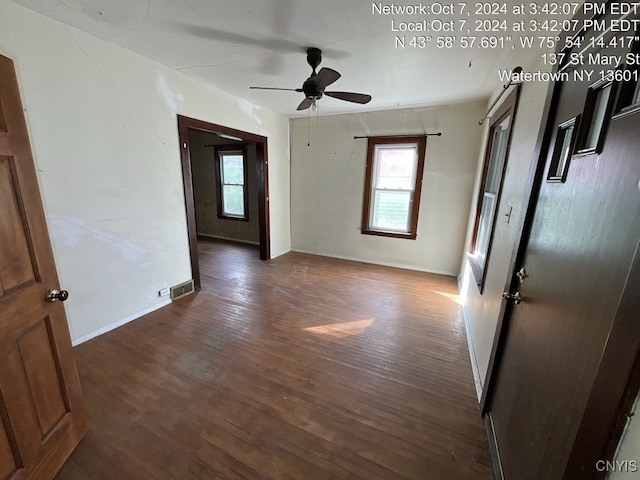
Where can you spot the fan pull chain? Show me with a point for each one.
(308, 128)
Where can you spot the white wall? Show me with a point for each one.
(481, 310)
(327, 185)
(103, 129)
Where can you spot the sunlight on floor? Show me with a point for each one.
(452, 297)
(341, 330)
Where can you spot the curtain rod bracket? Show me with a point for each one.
(517, 71)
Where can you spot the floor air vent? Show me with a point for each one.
(182, 290)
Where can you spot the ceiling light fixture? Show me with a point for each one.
(229, 137)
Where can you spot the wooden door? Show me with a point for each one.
(42, 417)
(581, 244)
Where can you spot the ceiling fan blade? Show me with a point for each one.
(326, 76)
(350, 96)
(276, 88)
(306, 103)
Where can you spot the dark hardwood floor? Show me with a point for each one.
(302, 367)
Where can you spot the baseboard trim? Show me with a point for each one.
(228, 239)
(383, 264)
(498, 473)
(119, 323)
(477, 379)
(280, 253)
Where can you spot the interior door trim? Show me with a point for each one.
(186, 123)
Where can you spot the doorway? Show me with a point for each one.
(221, 137)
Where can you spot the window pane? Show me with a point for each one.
(233, 200)
(484, 227)
(564, 153)
(561, 152)
(498, 148)
(395, 167)
(393, 178)
(597, 119)
(391, 210)
(232, 169)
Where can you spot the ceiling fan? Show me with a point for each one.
(313, 87)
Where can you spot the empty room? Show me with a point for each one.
(288, 239)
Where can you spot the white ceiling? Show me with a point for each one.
(234, 44)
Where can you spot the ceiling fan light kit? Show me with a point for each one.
(314, 86)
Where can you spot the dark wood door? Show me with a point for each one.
(584, 233)
(41, 410)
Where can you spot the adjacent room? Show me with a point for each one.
(286, 239)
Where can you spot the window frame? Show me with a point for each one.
(588, 112)
(507, 109)
(420, 141)
(626, 103)
(219, 151)
(552, 174)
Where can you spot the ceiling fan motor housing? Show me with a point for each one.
(311, 89)
(314, 57)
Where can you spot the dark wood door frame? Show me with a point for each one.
(184, 125)
(617, 382)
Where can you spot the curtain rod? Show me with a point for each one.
(516, 70)
(439, 134)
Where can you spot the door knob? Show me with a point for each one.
(53, 295)
(516, 297)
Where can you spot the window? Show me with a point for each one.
(490, 187)
(231, 168)
(393, 181)
(596, 114)
(629, 99)
(562, 151)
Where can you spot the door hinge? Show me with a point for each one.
(522, 274)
